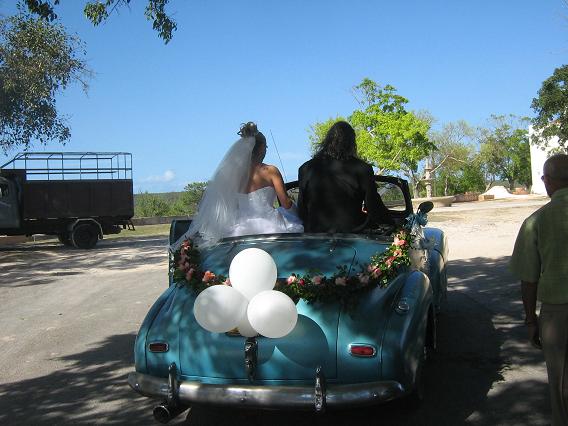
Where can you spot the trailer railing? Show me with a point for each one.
(72, 165)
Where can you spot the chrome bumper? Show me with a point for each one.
(298, 397)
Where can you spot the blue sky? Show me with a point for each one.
(288, 64)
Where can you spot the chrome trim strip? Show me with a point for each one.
(268, 396)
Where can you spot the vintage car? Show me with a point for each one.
(339, 355)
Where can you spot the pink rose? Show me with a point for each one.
(376, 272)
(291, 279)
(208, 276)
(317, 279)
(227, 282)
(341, 281)
(301, 282)
(398, 242)
(364, 278)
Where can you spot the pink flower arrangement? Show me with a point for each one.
(342, 285)
(208, 276)
(291, 279)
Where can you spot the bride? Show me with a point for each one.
(240, 197)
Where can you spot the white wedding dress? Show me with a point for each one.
(257, 215)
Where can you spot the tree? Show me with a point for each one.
(389, 137)
(38, 60)
(505, 150)
(100, 10)
(150, 205)
(551, 107)
(188, 201)
(452, 161)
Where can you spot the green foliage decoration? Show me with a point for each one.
(313, 287)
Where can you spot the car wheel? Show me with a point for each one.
(85, 236)
(65, 239)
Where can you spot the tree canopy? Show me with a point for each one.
(38, 59)
(551, 107)
(388, 136)
(505, 149)
(100, 10)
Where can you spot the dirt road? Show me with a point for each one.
(69, 319)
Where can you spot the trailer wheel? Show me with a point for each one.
(85, 236)
(65, 239)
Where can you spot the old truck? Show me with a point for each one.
(76, 196)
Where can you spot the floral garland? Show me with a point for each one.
(312, 287)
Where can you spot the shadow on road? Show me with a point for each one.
(40, 264)
(479, 337)
(73, 394)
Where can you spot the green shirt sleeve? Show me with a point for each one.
(525, 261)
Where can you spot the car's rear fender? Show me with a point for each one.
(404, 338)
(365, 325)
(140, 361)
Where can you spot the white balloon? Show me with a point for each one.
(252, 270)
(272, 314)
(219, 308)
(245, 329)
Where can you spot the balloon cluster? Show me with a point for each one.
(250, 303)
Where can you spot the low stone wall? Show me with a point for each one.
(467, 197)
(438, 201)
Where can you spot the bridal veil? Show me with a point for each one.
(218, 209)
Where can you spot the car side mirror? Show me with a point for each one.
(425, 207)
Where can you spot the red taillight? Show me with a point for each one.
(362, 350)
(158, 347)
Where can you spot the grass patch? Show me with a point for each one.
(143, 231)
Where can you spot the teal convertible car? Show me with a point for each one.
(366, 317)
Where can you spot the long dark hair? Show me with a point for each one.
(250, 130)
(339, 142)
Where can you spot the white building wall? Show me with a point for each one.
(538, 157)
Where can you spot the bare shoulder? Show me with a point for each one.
(271, 170)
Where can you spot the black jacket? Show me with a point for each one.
(332, 193)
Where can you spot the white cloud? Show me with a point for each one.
(167, 176)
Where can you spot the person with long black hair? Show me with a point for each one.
(337, 191)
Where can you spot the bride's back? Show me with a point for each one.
(261, 175)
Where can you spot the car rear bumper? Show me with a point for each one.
(293, 397)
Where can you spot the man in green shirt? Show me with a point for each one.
(540, 261)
